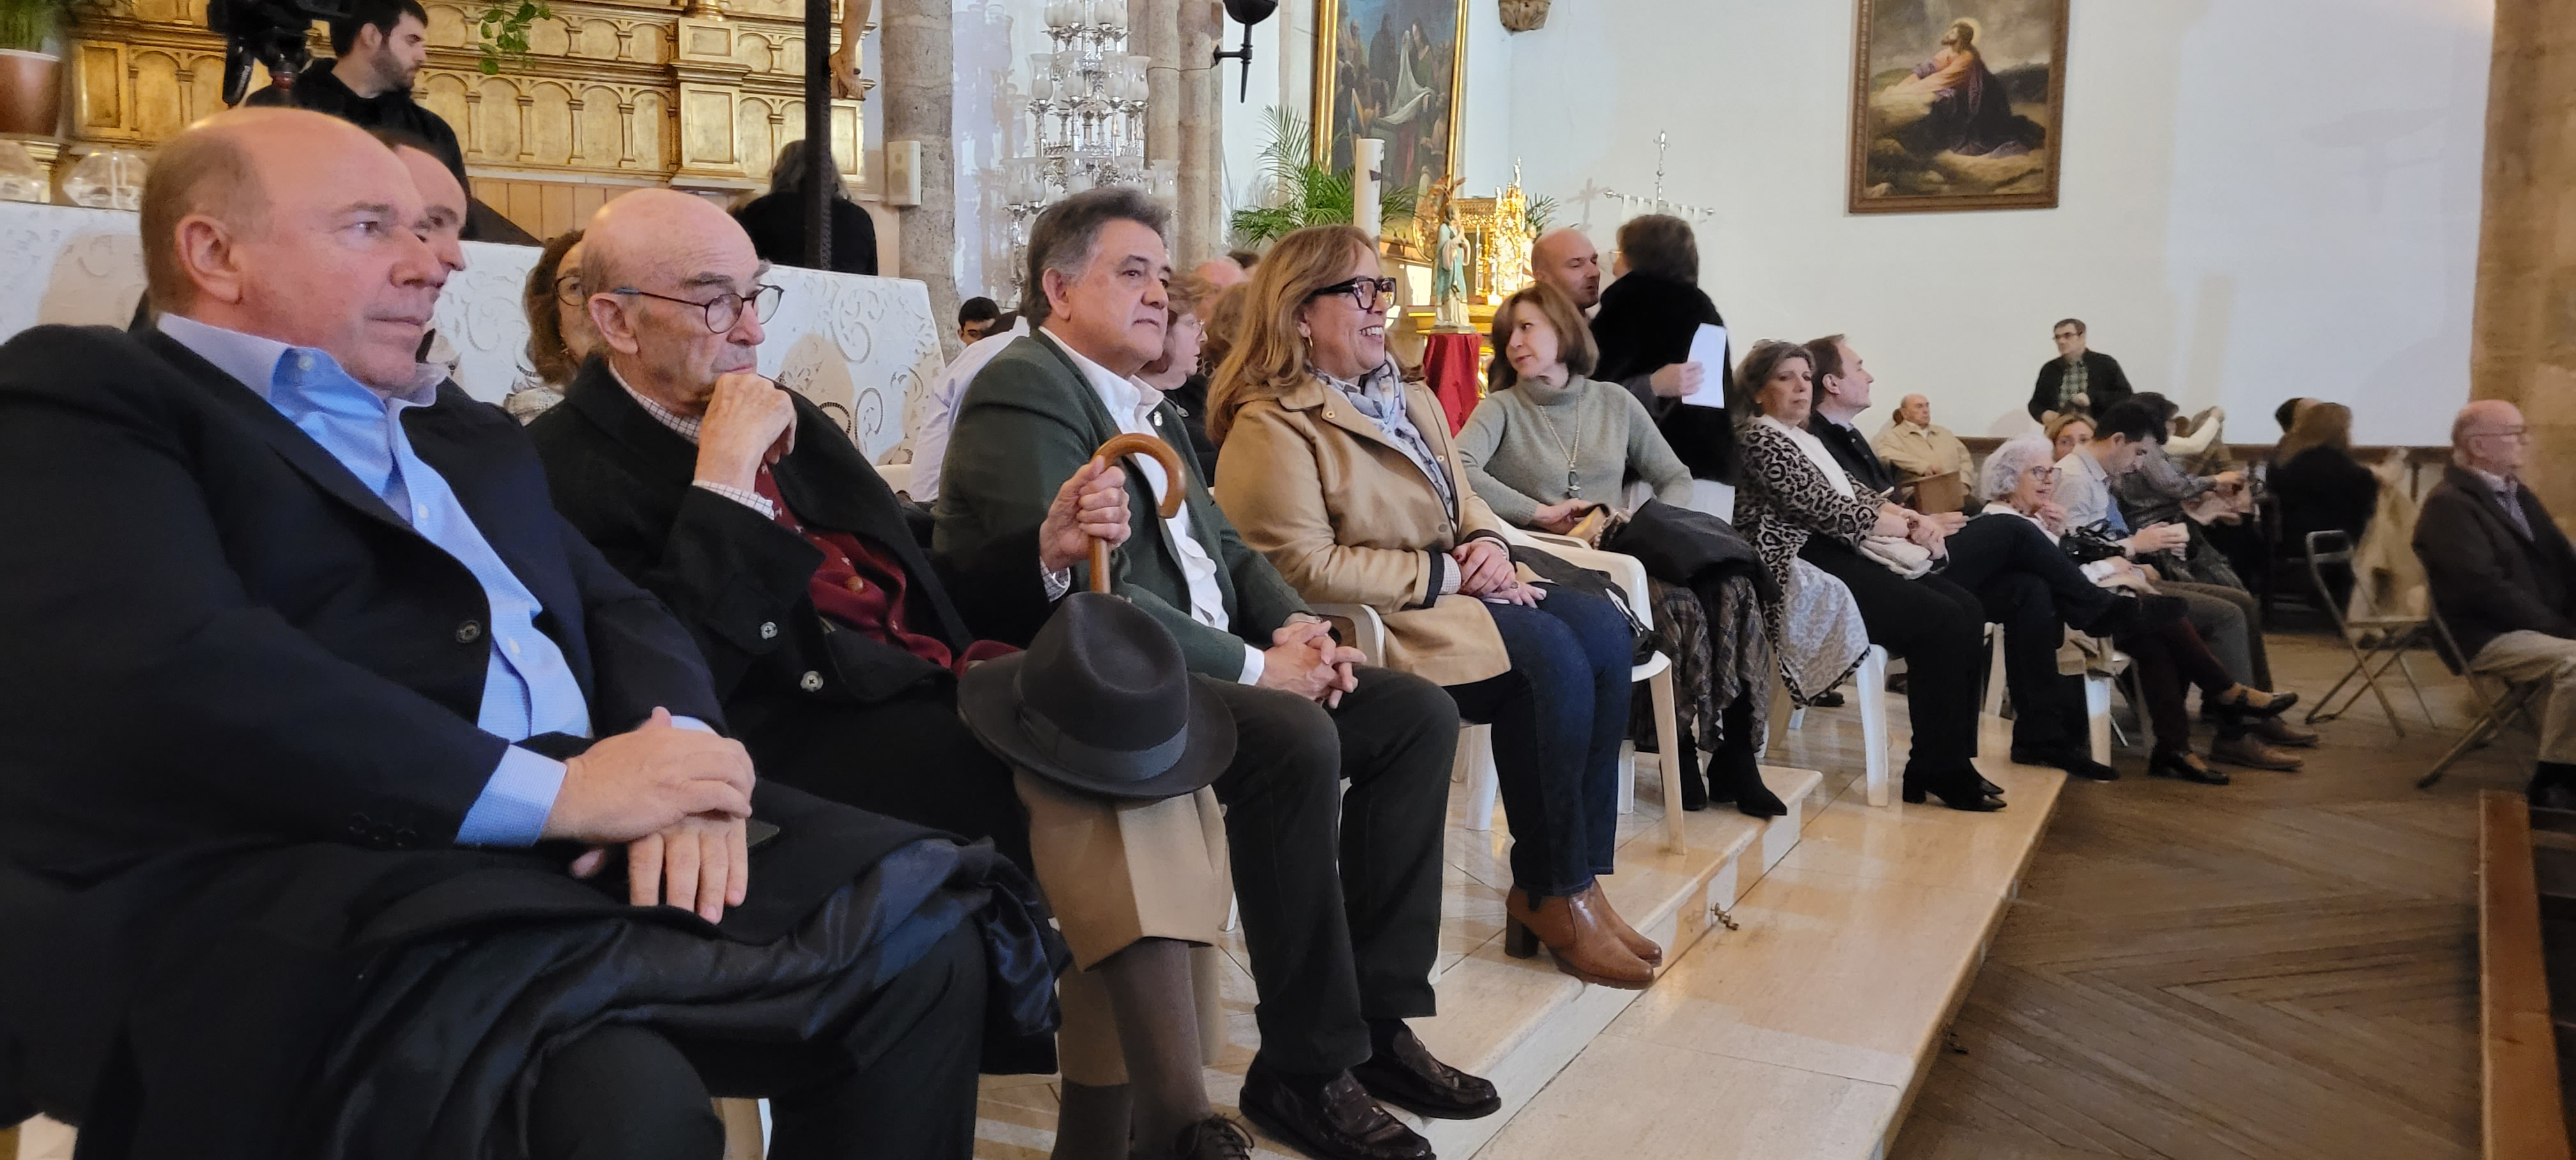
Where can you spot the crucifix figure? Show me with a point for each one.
(845, 59)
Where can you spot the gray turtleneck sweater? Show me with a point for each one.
(1514, 447)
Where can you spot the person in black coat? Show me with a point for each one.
(2078, 378)
(2322, 488)
(345, 777)
(776, 220)
(1647, 320)
(2503, 579)
(381, 45)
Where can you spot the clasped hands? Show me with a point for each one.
(677, 800)
(1304, 659)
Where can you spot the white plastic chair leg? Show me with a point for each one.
(1476, 760)
(1872, 690)
(1628, 777)
(1668, 744)
(1995, 670)
(2097, 715)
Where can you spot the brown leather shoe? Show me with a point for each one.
(2278, 731)
(2247, 750)
(1575, 934)
(1639, 945)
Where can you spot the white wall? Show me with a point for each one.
(2260, 198)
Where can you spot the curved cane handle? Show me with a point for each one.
(1120, 448)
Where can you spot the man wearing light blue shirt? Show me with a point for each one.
(323, 725)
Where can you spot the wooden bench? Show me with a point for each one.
(2524, 1115)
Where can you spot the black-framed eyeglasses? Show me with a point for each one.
(568, 289)
(1366, 293)
(724, 310)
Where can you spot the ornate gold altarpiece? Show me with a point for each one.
(613, 93)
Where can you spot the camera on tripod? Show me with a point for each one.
(268, 32)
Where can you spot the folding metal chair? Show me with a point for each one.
(2396, 634)
(2493, 715)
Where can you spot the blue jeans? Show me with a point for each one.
(1558, 718)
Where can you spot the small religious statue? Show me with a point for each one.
(844, 61)
(1448, 262)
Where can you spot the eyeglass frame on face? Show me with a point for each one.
(1385, 288)
(2054, 472)
(572, 297)
(2518, 434)
(770, 294)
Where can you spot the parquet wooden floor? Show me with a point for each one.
(2284, 968)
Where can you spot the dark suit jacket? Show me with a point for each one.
(1028, 422)
(1852, 450)
(2488, 578)
(2104, 383)
(740, 581)
(240, 737)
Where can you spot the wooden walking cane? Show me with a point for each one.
(1119, 448)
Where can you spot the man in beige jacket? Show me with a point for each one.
(1916, 448)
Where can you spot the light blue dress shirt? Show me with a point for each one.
(528, 688)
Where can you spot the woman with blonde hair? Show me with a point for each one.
(1345, 478)
(2068, 432)
(2322, 488)
(1188, 298)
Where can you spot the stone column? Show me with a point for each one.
(920, 62)
(2525, 324)
(1154, 33)
(1199, 232)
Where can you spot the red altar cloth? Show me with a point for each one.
(1451, 368)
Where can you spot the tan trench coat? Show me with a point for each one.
(1348, 518)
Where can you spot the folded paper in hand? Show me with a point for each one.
(1708, 349)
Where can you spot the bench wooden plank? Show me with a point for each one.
(2525, 1119)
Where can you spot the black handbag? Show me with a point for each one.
(1573, 577)
(1678, 544)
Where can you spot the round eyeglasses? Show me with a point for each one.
(724, 310)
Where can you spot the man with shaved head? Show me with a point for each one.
(2504, 579)
(1567, 260)
(356, 805)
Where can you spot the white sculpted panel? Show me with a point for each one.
(856, 346)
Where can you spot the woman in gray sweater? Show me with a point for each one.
(1546, 447)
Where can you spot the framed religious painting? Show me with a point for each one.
(1957, 105)
(1395, 70)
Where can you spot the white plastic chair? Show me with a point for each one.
(897, 476)
(1475, 760)
(1869, 690)
(2097, 696)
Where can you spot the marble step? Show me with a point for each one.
(1807, 1032)
(1515, 1021)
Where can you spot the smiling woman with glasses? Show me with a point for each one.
(1344, 475)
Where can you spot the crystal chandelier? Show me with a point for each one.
(1086, 106)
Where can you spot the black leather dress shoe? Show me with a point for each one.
(1407, 1076)
(1337, 1122)
(1214, 1138)
(2081, 765)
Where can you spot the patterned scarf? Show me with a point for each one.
(1380, 395)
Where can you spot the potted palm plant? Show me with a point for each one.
(31, 91)
(1303, 191)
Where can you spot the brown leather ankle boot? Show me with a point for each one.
(1639, 945)
(1583, 945)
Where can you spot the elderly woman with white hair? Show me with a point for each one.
(2020, 482)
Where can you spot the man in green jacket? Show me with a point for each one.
(1341, 954)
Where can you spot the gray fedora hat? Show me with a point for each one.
(1102, 702)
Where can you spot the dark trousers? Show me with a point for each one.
(2170, 661)
(1991, 546)
(898, 1081)
(1335, 943)
(906, 757)
(1939, 628)
(1558, 717)
(2048, 707)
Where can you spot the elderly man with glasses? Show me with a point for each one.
(2504, 579)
